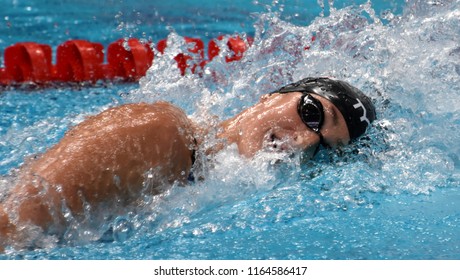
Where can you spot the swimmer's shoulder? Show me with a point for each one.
(131, 117)
(159, 107)
(135, 112)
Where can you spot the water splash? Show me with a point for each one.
(409, 66)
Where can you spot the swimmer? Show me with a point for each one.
(108, 157)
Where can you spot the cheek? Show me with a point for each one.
(306, 140)
(296, 140)
(250, 138)
(336, 137)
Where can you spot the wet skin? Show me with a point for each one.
(106, 157)
(274, 122)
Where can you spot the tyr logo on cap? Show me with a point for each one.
(363, 118)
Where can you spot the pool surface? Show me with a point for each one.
(393, 195)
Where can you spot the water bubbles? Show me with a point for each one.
(122, 229)
(388, 15)
(126, 45)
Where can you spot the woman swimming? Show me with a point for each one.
(107, 158)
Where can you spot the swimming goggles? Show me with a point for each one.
(311, 113)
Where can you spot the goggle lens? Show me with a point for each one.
(311, 112)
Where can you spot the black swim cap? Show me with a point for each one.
(356, 108)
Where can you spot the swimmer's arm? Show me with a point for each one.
(122, 142)
(7, 229)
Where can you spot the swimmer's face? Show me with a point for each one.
(274, 124)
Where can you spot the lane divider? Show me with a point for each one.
(83, 61)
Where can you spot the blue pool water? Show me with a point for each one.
(394, 195)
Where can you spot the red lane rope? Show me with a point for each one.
(83, 61)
